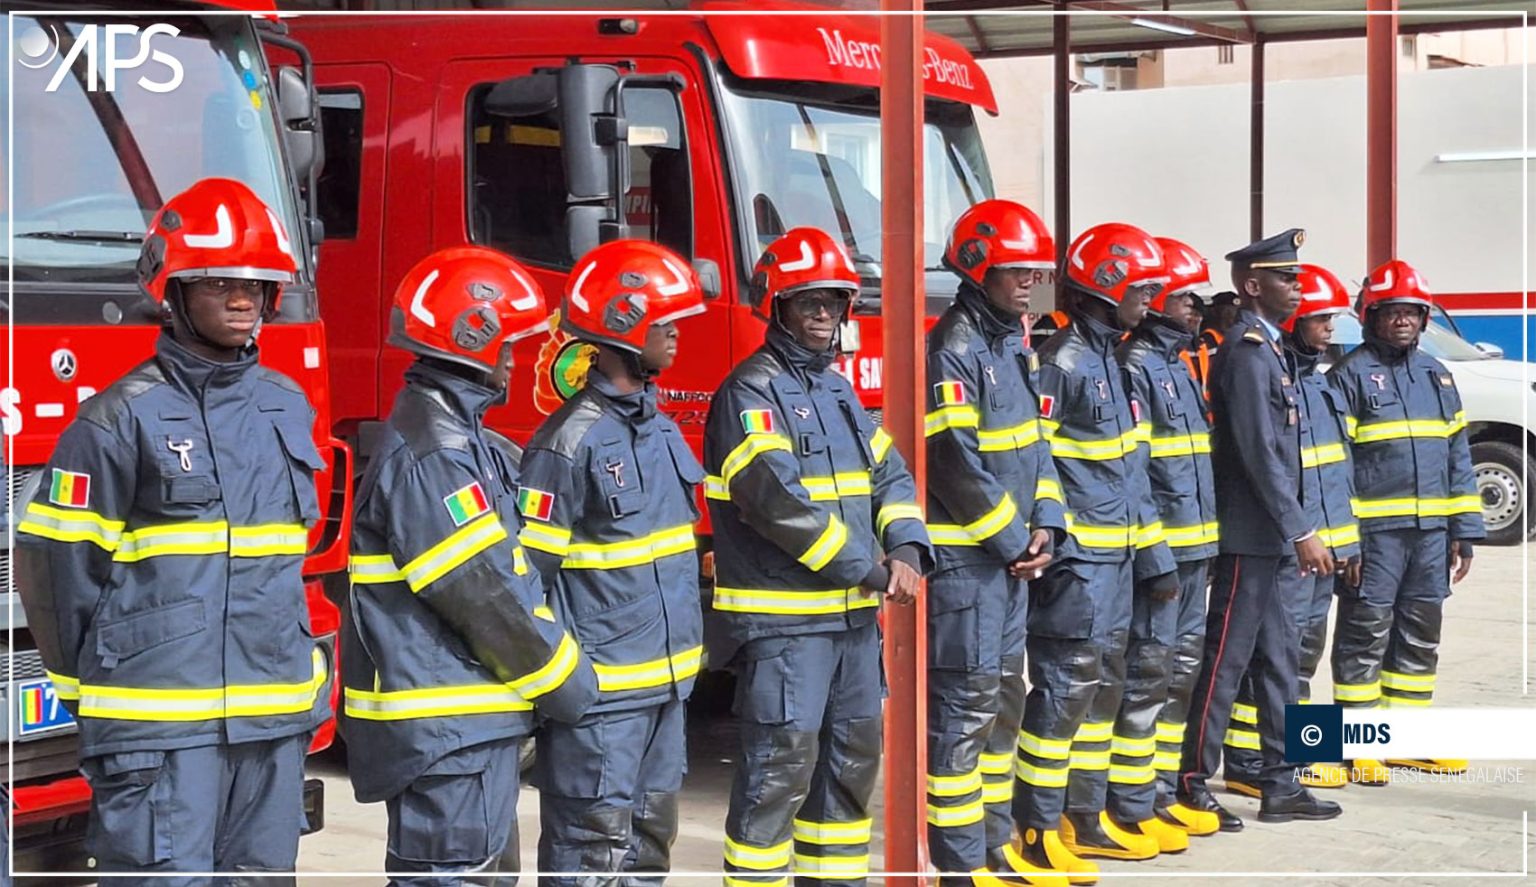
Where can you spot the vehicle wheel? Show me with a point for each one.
(1503, 483)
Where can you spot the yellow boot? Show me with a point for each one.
(1169, 838)
(1364, 771)
(1043, 848)
(1433, 765)
(1325, 776)
(1238, 787)
(1006, 868)
(1197, 822)
(1095, 834)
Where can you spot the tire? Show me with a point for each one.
(1503, 483)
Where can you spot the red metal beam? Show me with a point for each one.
(1256, 144)
(1061, 127)
(902, 304)
(1380, 131)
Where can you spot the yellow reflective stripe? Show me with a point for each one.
(1167, 732)
(64, 686)
(202, 537)
(71, 525)
(1404, 702)
(1045, 488)
(1357, 692)
(1040, 747)
(838, 486)
(827, 545)
(437, 561)
(653, 673)
(1014, 437)
(979, 530)
(1149, 535)
(1244, 713)
(755, 881)
(268, 540)
(783, 602)
(1166, 761)
(1242, 739)
(1169, 446)
(547, 538)
(1337, 537)
(519, 561)
(1413, 683)
(1044, 777)
(880, 443)
(997, 791)
(750, 448)
(834, 833)
(1327, 454)
(1133, 747)
(1132, 775)
(1095, 450)
(952, 817)
(947, 418)
(1412, 507)
(762, 859)
(996, 764)
(373, 569)
(1094, 731)
(629, 552)
(1198, 534)
(889, 514)
(1090, 760)
(1408, 428)
(551, 674)
(950, 786)
(715, 488)
(827, 867)
(203, 704)
(1351, 427)
(432, 702)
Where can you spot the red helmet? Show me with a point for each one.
(802, 259)
(216, 228)
(1394, 281)
(462, 303)
(998, 234)
(1188, 271)
(1322, 294)
(621, 289)
(1107, 260)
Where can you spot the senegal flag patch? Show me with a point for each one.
(535, 504)
(949, 394)
(466, 503)
(70, 489)
(757, 421)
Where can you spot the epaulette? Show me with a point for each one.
(1254, 335)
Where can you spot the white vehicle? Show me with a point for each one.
(1500, 400)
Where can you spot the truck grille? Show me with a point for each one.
(18, 479)
(876, 416)
(25, 665)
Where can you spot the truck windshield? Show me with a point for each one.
(94, 164)
(801, 159)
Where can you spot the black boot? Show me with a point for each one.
(1300, 805)
(1202, 799)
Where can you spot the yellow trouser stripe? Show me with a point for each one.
(1244, 713)
(1395, 680)
(1242, 739)
(826, 867)
(763, 859)
(1357, 692)
(954, 785)
(834, 833)
(1051, 749)
(953, 817)
(1044, 777)
(1132, 775)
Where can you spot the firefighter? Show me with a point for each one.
(608, 497)
(815, 519)
(1167, 636)
(1270, 549)
(447, 645)
(1080, 610)
(1418, 506)
(995, 515)
(160, 563)
(1327, 487)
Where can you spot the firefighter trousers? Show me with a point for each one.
(1079, 616)
(1252, 628)
(457, 818)
(1184, 667)
(608, 789)
(212, 808)
(810, 712)
(976, 624)
(1386, 638)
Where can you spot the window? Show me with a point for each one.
(517, 178)
(1224, 54)
(341, 121)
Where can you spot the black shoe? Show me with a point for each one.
(1300, 805)
(1202, 799)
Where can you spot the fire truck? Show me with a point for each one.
(112, 115)
(710, 131)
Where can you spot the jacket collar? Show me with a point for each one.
(1166, 336)
(195, 373)
(468, 400)
(1099, 336)
(635, 407)
(989, 322)
(802, 361)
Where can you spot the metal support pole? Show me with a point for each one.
(1380, 131)
(902, 304)
(1061, 127)
(1256, 143)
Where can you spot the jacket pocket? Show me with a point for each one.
(135, 633)
(954, 618)
(1060, 603)
(303, 461)
(132, 803)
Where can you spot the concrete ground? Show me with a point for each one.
(1423, 833)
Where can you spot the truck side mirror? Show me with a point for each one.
(709, 277)
(296, 107)
(593, 133)
(1490, 349)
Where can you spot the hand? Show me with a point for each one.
(1164, 587)
(1461, 559)
(1313, 557)
(902, 588)
(1352, 572)
(1031, 563)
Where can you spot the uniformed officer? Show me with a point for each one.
(995, 515)
(1327, 488)
(1080, 610)
(608, 497)
(1418, 505)
(160, 563)
(447, 644)
(1271, 552)
(815, 520)
(1167, 635)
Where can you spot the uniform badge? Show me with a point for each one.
(535, 504)
(1047, 405)
(615, 467)
(182, 448)
(1445, 380)
(1253, 336)
(802, 412)
(1168, 387)
(1103, 386)
(1290, 416)
(466, 503)
(1381, 381)
(1034, 362)
(1135, 410)
(1285, 379)
(757, 421)
(71, 489)
(949, 394)
(991, 375)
